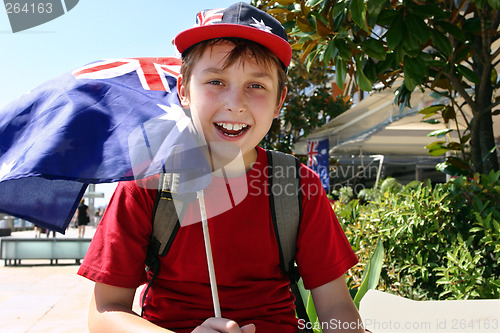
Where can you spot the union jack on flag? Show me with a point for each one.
(318, 160)
(210, 16)
(152, 72)
(312, 153)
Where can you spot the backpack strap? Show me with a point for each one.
(165, 223)
(166, 211)
(285, 206)
(285, 203)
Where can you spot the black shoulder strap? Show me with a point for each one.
(285, 202)
(165, 223)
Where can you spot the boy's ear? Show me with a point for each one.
(181, 91)
(280, 103)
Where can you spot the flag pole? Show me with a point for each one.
(208, 250)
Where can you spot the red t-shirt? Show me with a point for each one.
(250, 284)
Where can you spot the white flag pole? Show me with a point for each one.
(208, 250)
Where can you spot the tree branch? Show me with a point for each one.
(452, 101)
(457, 85)
(496, 103)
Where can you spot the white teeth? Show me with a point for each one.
(232, 127)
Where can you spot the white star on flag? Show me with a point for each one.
(5, 170)
(175, 113)
(261, 25)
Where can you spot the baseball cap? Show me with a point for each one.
(240, 20)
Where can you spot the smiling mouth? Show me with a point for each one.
(231, 130)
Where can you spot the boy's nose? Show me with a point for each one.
(236, 101)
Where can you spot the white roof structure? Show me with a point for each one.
(376, 126)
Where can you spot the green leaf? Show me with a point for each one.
(330, 53)
(313, 3)
(310, 58)
(413, 70)
(495, 4)
(496, 226)
(491, 151)
(452, 29)
(431, 10)
(384, 65)
(417, 27)
(457, 162)
(358, 13)
(374, 7)
(440, 132)
(454, 145)
(344, 50)
(372, 273)
(386, 17)
(340, 72)
(435, 145)
(468, 73)
(432, 110)
(395, 33)
(441, 42)
(437, 148)
(410, 83)
(338, 9)
(374, 48)
(479, 3)
(311, 309)
(438, 152)
(494, 76)
(361, 80)
(402, 98)
(399, 54)
(465, 138)
(411, 45)
(304, 293)
(431, 121)
(370, 70)
(450, 169)
(448, 114)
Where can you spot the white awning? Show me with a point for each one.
(376, 126)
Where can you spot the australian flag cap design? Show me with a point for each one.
(240, 20)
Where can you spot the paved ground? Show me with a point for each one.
(39, 297)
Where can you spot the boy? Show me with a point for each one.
(232, 84)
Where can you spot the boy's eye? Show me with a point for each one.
(215, 82)
(256, 85)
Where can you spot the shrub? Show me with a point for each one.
(441, 242)
(343, 194)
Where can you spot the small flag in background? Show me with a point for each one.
(318, 160)
(91, 126)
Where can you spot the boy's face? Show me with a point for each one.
(233, 105)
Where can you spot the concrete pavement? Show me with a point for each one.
(38, 297)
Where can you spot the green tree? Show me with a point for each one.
(445, 46)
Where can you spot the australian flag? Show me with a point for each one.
(318, 160)
(109, 121)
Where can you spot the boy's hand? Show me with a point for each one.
(223, 325)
